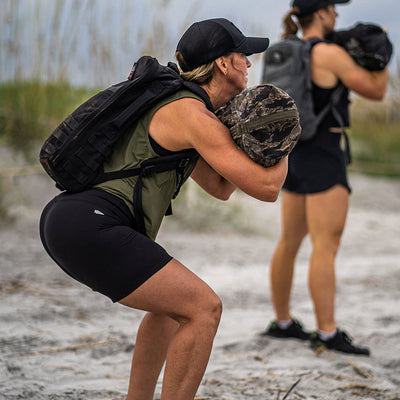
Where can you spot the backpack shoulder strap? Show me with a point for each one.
(193, 87)
(199, 91)
(336, 94)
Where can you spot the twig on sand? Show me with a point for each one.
(214, 381)
(66, 348)
(366, 388)
(239, 389)
(117, 377)
(359, 370)
(291, 388)
(259, 358)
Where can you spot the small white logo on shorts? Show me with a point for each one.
(98, 212)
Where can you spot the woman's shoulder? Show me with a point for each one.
(180, 100)
(328, 50)
(181, 94)
(330, 57)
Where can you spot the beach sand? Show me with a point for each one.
(59, 340)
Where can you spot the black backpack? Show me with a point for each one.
(287, 65)
(74, 153)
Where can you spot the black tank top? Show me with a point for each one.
(321, 97)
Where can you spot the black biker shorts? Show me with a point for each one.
(91, 236)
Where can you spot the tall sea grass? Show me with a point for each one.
(29, 111)
(84, 42)
(54, 54)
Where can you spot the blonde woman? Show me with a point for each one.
(92, 234)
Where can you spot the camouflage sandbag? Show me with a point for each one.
(264, 123)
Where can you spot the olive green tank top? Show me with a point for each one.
(157, 190)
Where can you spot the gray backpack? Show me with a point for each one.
(287, 65)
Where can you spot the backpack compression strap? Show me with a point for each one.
(148, 168)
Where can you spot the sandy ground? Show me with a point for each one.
(59, 340)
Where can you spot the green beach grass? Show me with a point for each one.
(375, 137)
(29, 112)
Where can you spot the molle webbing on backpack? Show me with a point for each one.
(74, 154)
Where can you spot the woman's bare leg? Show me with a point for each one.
(326, 217)
(152, 341)
(174, 293)
(282, 265)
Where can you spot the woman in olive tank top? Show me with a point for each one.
(92, 236)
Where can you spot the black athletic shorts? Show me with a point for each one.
(317, 165)
(90, 235)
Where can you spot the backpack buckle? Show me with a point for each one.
(183, 163)
(148, 170)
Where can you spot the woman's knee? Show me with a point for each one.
(290, 244)
(215, 308)
(205, 312)
(211, 309)
(326, 246)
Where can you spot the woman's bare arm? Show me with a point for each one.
(331, 63)
(186, 123)
(212, 182)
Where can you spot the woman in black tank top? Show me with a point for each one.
(315, 199)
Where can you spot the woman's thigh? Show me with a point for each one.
(326, 214)
(177, 292)
(294, 224)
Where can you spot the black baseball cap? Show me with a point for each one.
(205, 41)
(308, 7)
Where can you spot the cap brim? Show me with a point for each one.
(252, 45)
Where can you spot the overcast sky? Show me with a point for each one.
(94, 42)
(264, 17)
(267, 14)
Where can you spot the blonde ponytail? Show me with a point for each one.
(200, 75)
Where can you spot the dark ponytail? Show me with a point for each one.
(291, 27)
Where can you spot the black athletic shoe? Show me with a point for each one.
(294, 330)
(340, 342)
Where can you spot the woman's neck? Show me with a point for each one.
(313, 32)
(217, 94)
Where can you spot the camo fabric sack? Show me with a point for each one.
(263, 122)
